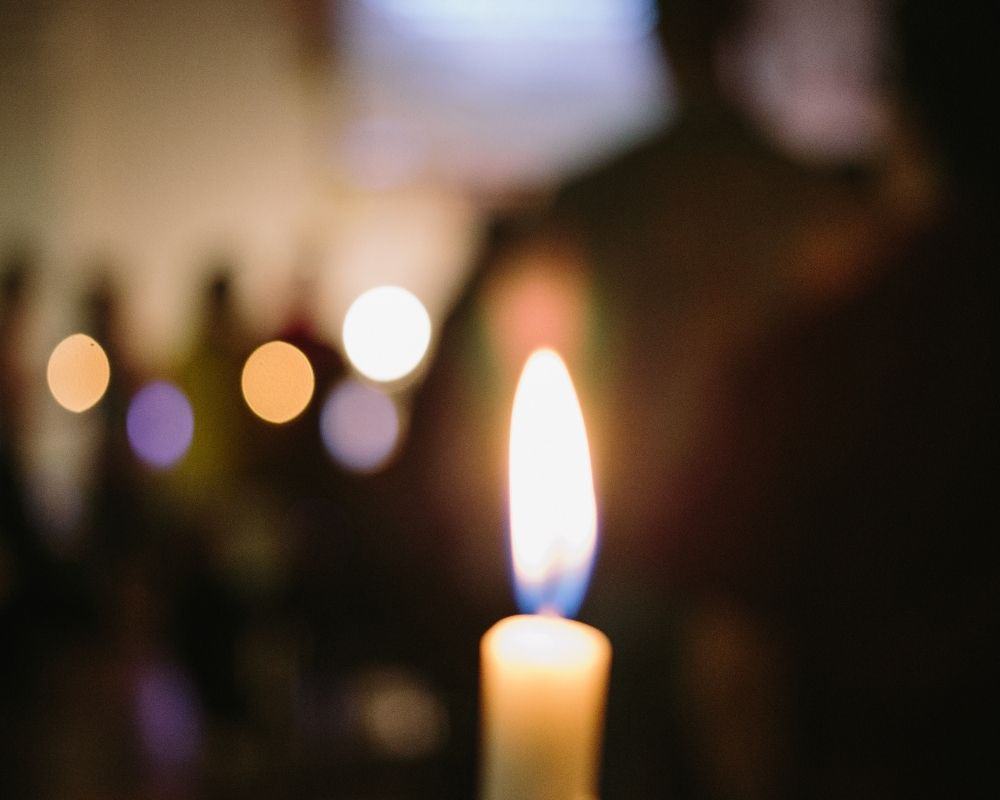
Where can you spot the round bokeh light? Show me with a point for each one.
(160, 424)
(386, 333)
(78, 372)
(277, 382)
(360, 426)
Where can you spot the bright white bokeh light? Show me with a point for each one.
(386, 333)
(553, 510)
(360, 426)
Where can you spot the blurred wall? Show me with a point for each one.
(153, 131)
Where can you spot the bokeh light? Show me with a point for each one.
(277, 382)
(402, 716)
(386, 333)
(78, 372)
(360, 426)
(160, 424)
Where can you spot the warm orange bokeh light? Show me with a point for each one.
(277, 382)
(541, 298)
(78, 372)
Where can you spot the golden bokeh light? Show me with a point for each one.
(277, 382)
(386, 333)
(78, 372)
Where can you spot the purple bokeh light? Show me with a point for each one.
(360, 426)
(160, 424)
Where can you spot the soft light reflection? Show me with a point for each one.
(160, 424)
(78, 372)
(553, 512)
(168, 721)
(360, 426)
(386, 333)
(277, 382)
(543, 297)
(403, 718)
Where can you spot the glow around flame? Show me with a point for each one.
(553, 513)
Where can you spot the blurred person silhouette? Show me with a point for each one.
(312, 490)
(854, 507)
(117, 519)
(24, 567)
(210, 377)
(306, 552)
(16, 276)
(40, 599)
(649, 273)
(215, 512)
(698, 242)
(296, 454)
(124, 559)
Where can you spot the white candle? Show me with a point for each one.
(544, 678)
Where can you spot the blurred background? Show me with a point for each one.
(269, 272)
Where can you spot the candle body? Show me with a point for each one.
(544, 687)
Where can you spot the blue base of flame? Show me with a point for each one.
(560, 595)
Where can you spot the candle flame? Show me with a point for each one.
(553, 512)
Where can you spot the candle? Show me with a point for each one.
(544, 677)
